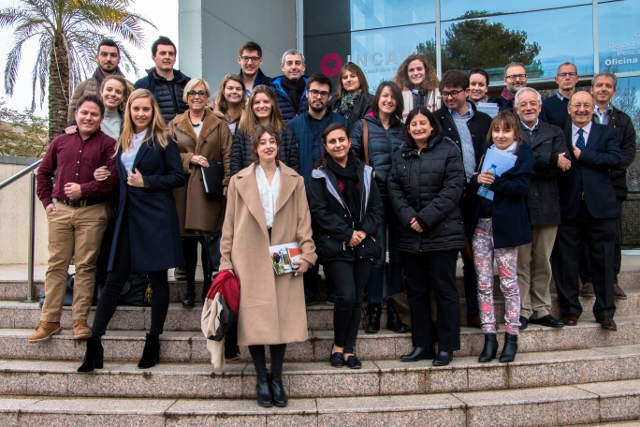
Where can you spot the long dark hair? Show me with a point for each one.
(322, 163)
(397, 95)
(350, 66)
(437, 129)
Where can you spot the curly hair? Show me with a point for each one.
(430, 81)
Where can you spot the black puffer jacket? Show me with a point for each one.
(329, 211)
(168, 93)
(627, 141)
(427, 185)
(241, 151)
(361, 107)
(547, 143)
(382, 144)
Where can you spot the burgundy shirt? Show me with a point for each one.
(75, 160)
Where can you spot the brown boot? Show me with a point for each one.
(44, 331)
(618, 293)
(81, 331)
(587, 290)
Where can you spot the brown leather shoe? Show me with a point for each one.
(607, 323)
(618, 292)
(570, 319)
(474, 322)
(81, 331)
(44, 331)
(587, 290)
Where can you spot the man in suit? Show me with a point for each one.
(589, 210)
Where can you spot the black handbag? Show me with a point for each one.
(212, 242)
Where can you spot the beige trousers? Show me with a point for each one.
(73, 232)
(534, 272)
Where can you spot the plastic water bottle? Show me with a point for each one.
(484, 188)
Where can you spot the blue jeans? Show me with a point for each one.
(387, 241)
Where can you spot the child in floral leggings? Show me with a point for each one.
(500, 226)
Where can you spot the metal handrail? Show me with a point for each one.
(31, 290)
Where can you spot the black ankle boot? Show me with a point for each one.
(510, 348)
(263, 390)
(189, 299)
(393, 320)
(490, 348)
(280, 398)
(151, 352)
(93, 358)
(373, 318)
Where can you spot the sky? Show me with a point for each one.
(165, 19)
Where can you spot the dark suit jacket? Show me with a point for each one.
(590, 174)
(151, 212)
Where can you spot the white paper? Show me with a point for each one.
(501, 159)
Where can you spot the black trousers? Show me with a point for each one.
(115, 282)
(190, 249)
(470, 281)
(260, 360)
(424, 271)
(585, 262)
(349, 279)
(599, 235)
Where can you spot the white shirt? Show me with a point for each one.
(268, 193)
(128, 157)
(575, 134)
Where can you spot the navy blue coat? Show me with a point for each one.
(590, 174)
(151, 211)
(285, 103)
(510, 218)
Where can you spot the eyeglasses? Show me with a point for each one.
(452, 94)
(250, 58)
(199, 93)
(563, 75)
(585, 105)
(516, 77)
(316, 92)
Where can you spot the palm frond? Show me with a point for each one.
(23, 34)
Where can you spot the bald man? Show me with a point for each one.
(589, 210)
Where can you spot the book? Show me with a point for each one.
(212, 178)
(283, 257)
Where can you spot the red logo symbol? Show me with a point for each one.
(331, 65)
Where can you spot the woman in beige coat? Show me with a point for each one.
(201, 137)
(267, 205)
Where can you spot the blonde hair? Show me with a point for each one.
(193, 83)
(221, 101)
(157, 129)
(249, 121)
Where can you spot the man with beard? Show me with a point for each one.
(515, 77)
(308, 128)
(108, 58)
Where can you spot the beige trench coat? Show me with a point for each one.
(198, 212)
(272, 309)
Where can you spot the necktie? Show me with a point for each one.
(580, 143)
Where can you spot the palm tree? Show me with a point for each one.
(68, 33)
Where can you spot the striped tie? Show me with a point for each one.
(580, 143)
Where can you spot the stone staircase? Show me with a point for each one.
(578, 375)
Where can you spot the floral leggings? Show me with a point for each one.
(507, 259)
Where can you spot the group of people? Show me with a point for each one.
(349, 177)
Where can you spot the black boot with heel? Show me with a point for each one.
(490, 349)
(93, 358)
(510, 348)
(374, 312)
(151, 353)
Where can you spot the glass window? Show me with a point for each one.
(380, 52)
(543, 40)
(368, 14)
(326, 17)
(456, 9)
(619, 36)
(627, 99)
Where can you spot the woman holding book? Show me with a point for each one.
(499, 226)
(267, 206)
(347, 207)
(201, 137)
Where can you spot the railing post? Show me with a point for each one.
(31, 291)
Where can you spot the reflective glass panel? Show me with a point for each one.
(456, 9)
(619, 36)
(367, 14)
(380, 52)
(627, 99)
(543, 40)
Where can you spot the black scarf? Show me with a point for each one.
(294, 90)
(349, 178)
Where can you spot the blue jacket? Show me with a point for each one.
(589, 175)
(151, 211)
(310, 144)
(285, 103)
(510, 218)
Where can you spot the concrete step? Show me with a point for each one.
(319, 379)
(549, 406)
(190, 346)
(22, 315)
